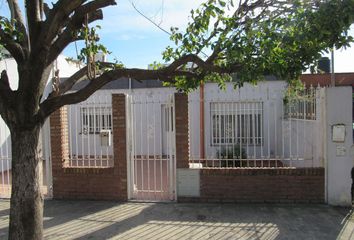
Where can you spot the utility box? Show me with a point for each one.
(105, 138)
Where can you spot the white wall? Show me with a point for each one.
(297, 140)
(338, 167)
(147, 122)
(10, 65)
(282, 138)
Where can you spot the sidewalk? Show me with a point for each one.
(111, 220)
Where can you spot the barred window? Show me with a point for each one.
(236, 123)
(95, 119)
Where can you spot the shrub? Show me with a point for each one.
(233, 152)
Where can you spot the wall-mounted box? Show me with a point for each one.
(105, 138)
(188, 183)
(338, 133)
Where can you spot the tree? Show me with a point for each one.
(249, 37)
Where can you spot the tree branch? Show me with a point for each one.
(57, 16)
(16, 14)
(93, 9)
(7, 97)
(51, 104)
(13, 47)
(70, 82)
(33, 19)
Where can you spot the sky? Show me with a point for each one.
(137, 43)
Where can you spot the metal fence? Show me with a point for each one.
(151, 141)
(255, 126)
(90, 132)
(45, 176)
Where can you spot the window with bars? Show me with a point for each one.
(236, 123)
(95, 119)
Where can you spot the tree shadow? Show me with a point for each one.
(103, 220)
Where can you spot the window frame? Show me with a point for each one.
(90, 115)
(234, 116)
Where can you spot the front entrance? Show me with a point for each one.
(151, 147)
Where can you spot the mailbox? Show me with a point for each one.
(105, 137)
(338, 133)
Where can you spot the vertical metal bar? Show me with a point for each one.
(161, 144)
(134, 154)
(224, 113)
(89, 134)
(304, 128)
(147, 110)
(83, 115)
(171, 122)
(233, 132)
(96, 128)
(219, 131)
(108, 117)
(70, 135)
(282, 128)
(290, 131)
(154, 142)
(276, 150)
(254, 130)
(141, 148)
(77, 131)
(246, 124)
(100, 124)
(268, 126)
(297, 128)
(8, 152)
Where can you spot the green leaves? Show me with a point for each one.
(264, 37)
(93, 46)
(10, 28)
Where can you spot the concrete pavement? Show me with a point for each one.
(111, 220)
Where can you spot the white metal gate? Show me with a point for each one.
(45, 165)
(151, 147)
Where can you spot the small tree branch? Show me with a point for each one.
(68, 36)
(13, 47)
(57, 16)
(51, 104)
(4, 81)
(70, 82)
(16, 14)
(7, 97)
(33, 19)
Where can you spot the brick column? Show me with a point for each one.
(182, 144)
(120, 143)
(59, 141)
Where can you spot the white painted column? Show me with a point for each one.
(339, 160)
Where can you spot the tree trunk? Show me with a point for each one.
(26, 209)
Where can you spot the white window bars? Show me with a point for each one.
(95, 119)
(86, 120)
(256, 127)
(236, 123)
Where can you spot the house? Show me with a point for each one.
(145, 142)
(255, 133)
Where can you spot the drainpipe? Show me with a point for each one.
(202, 126)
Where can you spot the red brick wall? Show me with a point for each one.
(90, 183)
(302, 185)
(182, 144)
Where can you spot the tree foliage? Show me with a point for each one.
(258, 38)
